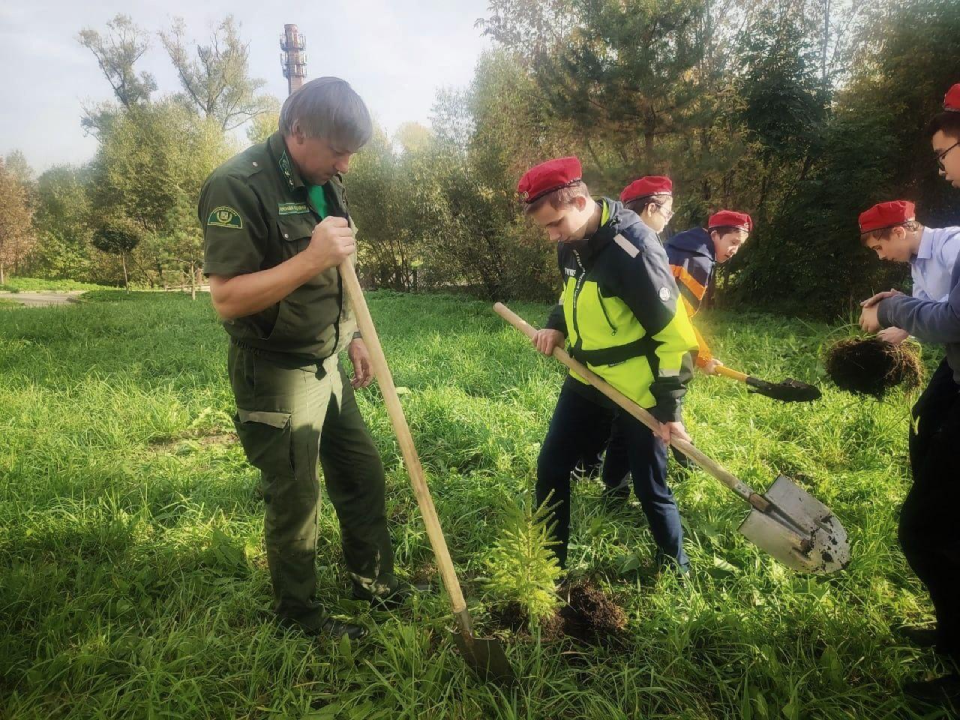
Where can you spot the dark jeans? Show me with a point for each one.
(575, 422)
(929, 530)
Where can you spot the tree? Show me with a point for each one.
(622, 75)
(266, 123)
(184, 242)
(152, 161)
(413, 137)
(382, 190)
(61, 219)
(473, 233)
(17, 165)
(16, 231)
(118, 236)
(532, 28)
(217, 83)
(873, 148)
(117, 53)
(151, 157)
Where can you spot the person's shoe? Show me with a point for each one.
(614, 498)
(336, 629)
(396, 598)
(329, 628)
(618, 494)
(923, 637)
(583, 472)
(943, 690)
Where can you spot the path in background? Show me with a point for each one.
(42, 299)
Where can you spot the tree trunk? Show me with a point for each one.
(123, 261)
(193, 281)
(826, 42)
(1, 274)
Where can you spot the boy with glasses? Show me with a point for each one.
(928, 531)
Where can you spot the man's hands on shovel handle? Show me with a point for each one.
(332, 242)
(362, 367)
(546, 340)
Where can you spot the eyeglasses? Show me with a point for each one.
(942, 155)
(667, 214)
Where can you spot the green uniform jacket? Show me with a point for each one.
(621, 313)
(256, 214)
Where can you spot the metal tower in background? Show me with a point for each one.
(293, 58)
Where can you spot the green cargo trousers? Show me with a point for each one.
(289, 417)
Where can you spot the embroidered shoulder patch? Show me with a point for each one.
(226, 217)
(664, 294)
(293, 208)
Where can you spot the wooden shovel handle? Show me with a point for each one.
(714, 468)
(727, 372)
(410, 457)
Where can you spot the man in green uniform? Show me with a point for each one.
(276, 228)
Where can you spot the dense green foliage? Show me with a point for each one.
(803, 114)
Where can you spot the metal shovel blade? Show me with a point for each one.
(798, 530)
(485, 657)
(789, 390)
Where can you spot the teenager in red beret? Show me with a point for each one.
(621, 315)
(693, 255)
(651, 198)
(928, 530)
(891, 230)
(945, 137)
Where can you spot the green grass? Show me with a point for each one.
(132, 569)
(21, 284)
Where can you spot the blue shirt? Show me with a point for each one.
(933, 264)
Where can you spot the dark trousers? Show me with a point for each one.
(929, 528)
(574, 423)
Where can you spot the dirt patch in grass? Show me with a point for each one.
(425, 574)
(587, 615)
(872, 366)
(204, 437)
(590, 615)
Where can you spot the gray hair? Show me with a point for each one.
(328, 108)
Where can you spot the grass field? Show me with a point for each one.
(133, 577)
(19, 284)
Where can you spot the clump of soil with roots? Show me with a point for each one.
(872, 366)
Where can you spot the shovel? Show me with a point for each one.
(787, 522)
(485, 657)
(789, 390)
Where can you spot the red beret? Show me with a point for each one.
(730, 218)
(951, 101)
(547, 177)
(647, 186)
(886, 215)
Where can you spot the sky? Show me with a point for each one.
(396, 55)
